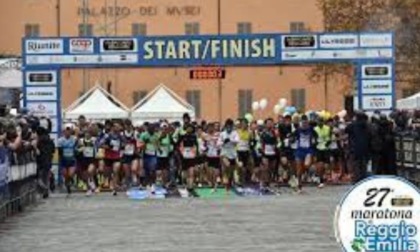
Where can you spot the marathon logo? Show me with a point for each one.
(44, 46)
(210, 49)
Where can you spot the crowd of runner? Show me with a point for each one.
(289, 150)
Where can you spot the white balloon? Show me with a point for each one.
(260, 122)
(255, 106)
(276, 109)
(342, 113)
(283, 102)
(263, 103)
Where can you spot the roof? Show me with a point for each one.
(161, 103)
(97, 104)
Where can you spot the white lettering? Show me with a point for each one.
(196, 44)
(215, 48)
(269, 48)
(148, 50)
(236, 48)
(256, 48)
(159, 45)
(184, 49)
(170, 50)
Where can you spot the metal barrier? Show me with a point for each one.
(18, 182)
(408, 157)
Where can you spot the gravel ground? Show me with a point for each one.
(283, 223)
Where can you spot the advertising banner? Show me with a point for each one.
(377, 102)
(44, 46)
(41, 78)
(43, 108)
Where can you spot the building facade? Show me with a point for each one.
(236, 92)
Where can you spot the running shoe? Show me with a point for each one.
(321, 185)
(114, 193)
(89, 193)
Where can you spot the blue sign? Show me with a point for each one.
(372, 53)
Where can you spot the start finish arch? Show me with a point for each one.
(373, 55)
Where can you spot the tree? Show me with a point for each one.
(400, 16)
(349, 16)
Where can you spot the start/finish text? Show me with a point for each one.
(209, 49)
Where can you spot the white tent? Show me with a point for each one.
(97, 104)
(161, 103)
(11, 78)
(411, 102)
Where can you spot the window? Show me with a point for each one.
(244, 28)
(244, 102)
(32, 30)
(138, 29)
(194, 98)
(299, 99)
(192, 28)
(85, 30)
(139, 95)
(297, 27)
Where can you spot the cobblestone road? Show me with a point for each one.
(284, 223)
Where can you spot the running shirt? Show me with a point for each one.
(269, 142)
(189, 146)
(213, 149)
(285, 132)
(165, 146)
(294, 127)
(129, 139)
(229, 141)
(114, 143)
(244, 140)
(87, 147)
(324, 136)
(305, 138)
(150, 141)
(335, 136)
(67, 147)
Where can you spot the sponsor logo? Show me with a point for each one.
(297, 41)
(43, 109)
(118, 45)
(376, 71)
(38, 46)
(41, 78)
(338, 41)
(379, 214)
(41, 93)
(81, 45)
(376, 40)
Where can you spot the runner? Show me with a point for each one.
(67, 156)
(189, 149)
(305, 139)
(335, 150)
(322, 156)
(113, 148)
(149, 143)
(86, 147)
(256, 152)
(213, 156)
(164, 149)
(269, 143)
(129, 160)
(285, 129)
(244, 154)
(228, 139)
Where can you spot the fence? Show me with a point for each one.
(408, 157)
(18, 183)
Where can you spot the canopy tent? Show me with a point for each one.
(161, 103)
(97, 104)
(411, 102)
(11, 78)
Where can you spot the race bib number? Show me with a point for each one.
(163, 151)
(188, 153)
(305, 142)
(88, 152)
(115, 145)
(269, 150)
(150, 152)
(212, 152)
(243, 146)
(129, 149)
(68, 153)
(286, 142)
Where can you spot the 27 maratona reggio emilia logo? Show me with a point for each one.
(380, 214)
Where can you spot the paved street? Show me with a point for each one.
(104, 223)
